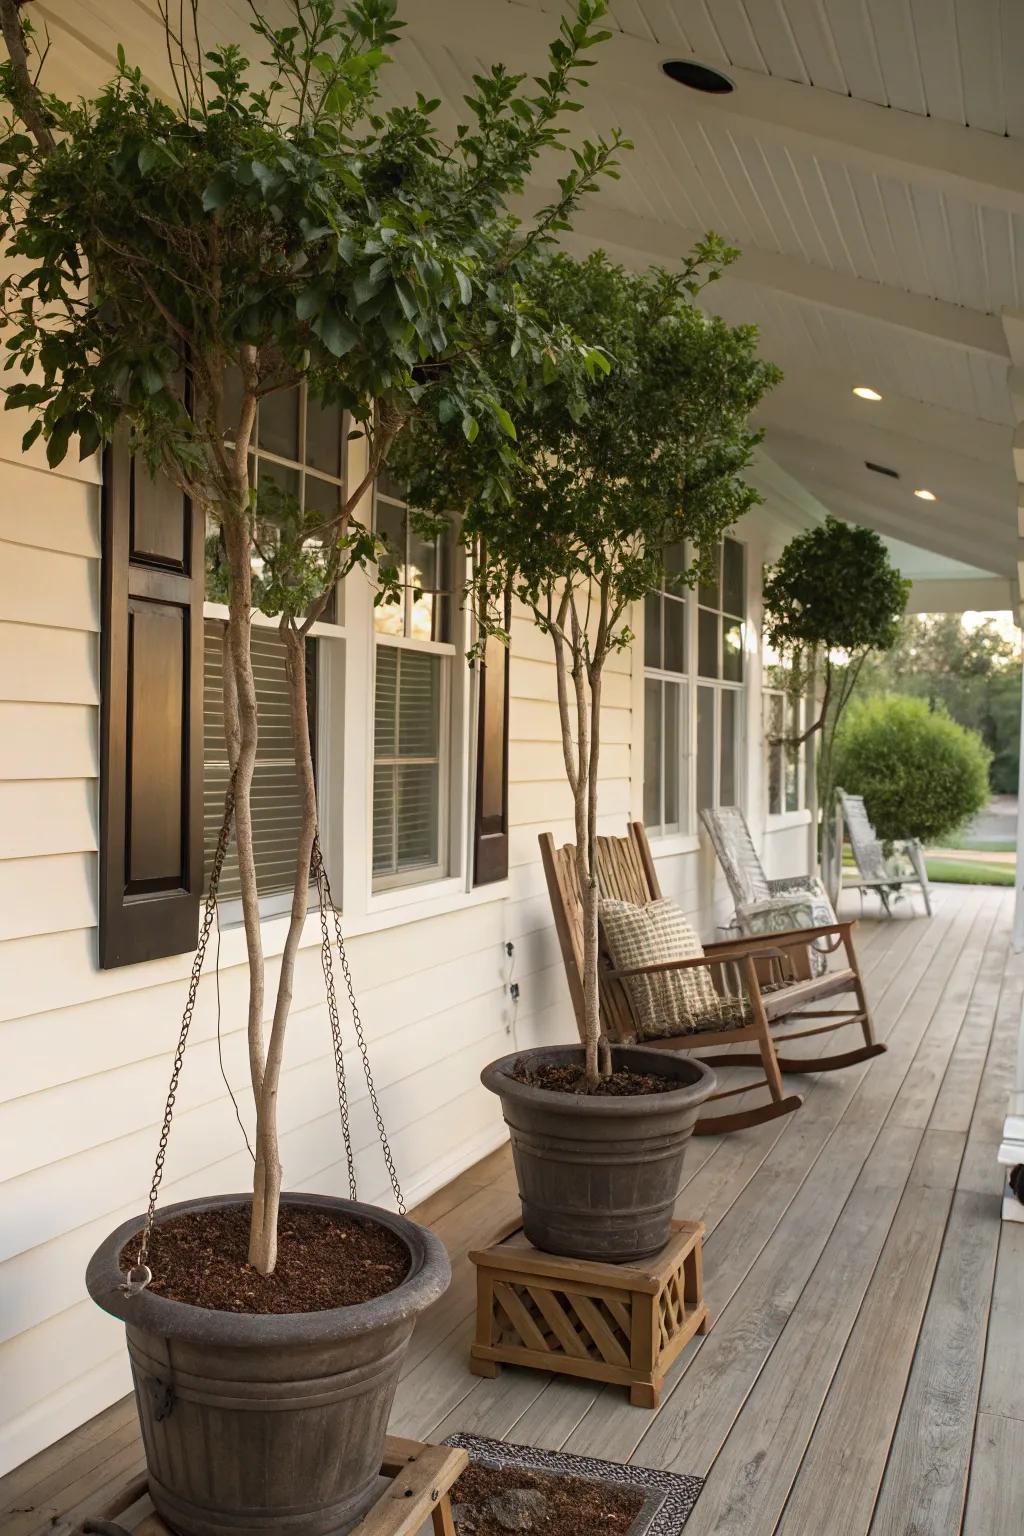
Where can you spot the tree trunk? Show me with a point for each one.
(263, 1244)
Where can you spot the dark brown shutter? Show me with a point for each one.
(490, 839)
(151, 825)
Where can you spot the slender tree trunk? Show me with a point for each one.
(263, 1250)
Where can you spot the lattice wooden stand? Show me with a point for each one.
(421, 1476)
(623, 1323)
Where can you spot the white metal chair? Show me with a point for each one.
(882, 868)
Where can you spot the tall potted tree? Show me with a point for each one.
(610, 473)
(284, 230)
(831, 600)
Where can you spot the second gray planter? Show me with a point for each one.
(598, 1175)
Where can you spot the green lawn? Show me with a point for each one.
(964, 872)
(1006, 845)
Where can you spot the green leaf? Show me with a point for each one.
(470, 428)
(335, 332)
(504, 421)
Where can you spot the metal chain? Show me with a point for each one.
(140, 1275)
(357, 1023)
(317, 865)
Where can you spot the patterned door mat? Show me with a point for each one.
(668, 1497)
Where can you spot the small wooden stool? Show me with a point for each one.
(421, 1476)
(622, 1323)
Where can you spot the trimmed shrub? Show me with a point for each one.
(921, 774)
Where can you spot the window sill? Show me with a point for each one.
(676, 843)
(782, 820)
(401, 907)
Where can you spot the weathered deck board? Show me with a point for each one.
(864, 1371)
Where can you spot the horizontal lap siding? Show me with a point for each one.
(86, 1053)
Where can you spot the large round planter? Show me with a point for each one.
(269, 1423)
(598, 1176)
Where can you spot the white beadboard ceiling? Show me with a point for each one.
(870, 166)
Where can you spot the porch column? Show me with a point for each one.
(1011, 1151)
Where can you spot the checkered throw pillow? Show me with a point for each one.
(669, 1002)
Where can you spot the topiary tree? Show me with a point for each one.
(921, 774)
(832, 598)
(281, 230)
(608, 473)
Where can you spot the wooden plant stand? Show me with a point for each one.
(621, 1323)
(421, 1476)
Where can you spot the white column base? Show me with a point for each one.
(1011, 1152)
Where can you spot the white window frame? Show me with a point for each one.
(683, 837)
(454, 777)
(806, 714)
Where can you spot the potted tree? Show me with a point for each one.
(832, 598)
(610, 474)
(277, 231)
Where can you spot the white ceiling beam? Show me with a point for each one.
(983, 594)
(966, 162)
(1013, 326)
(826, 393)
(638, 241)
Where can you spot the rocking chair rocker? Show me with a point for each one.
(774, 974)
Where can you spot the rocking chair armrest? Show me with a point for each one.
(794, 936)
(654, 969)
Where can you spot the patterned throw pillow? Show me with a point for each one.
(669, 1002)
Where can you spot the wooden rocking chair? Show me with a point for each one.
(773, 972)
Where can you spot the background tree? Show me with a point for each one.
(609, 471)
(921, 774)
(276, 232)
(974, 672)
(832, 598)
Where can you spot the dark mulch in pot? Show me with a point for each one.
(570, 1078)
(492, 1501)
(324, 1260)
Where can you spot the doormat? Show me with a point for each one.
(668, 1497)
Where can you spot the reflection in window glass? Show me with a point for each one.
(773, 729)
(675, 641)
(707, 643)
(652, 629)
(732, 650)
(673, 757)
(710, 585)
(278, 425)
(705, 748)
(652, 753)
(733, 583)
(728, 775)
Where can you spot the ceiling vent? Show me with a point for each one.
(882, 469)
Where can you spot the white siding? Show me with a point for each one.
(86, 1052)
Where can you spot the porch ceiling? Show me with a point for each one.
(870, 166)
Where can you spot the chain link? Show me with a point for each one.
(324, 889)
(139, 1276)
(320, 877)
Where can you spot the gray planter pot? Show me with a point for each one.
(598, 1177)
(270, 1423)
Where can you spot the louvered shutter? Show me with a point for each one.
(151, 737)
(276, 805)
(490, 839)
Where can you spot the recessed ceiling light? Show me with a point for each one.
(926, 495)
(865, 393)
(698, 77)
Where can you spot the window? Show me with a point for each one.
(412, 702)
(790, 769)
(721, 611)
(693, 691)
(298, 446)
(666, 702)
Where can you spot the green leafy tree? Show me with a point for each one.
(832, 599)
(921, 774)
(973, 672)
(271, 232)
(609, 472)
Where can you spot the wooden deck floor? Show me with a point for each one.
(865, 1371)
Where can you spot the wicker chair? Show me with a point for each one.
(879, 870)
(772, 977)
